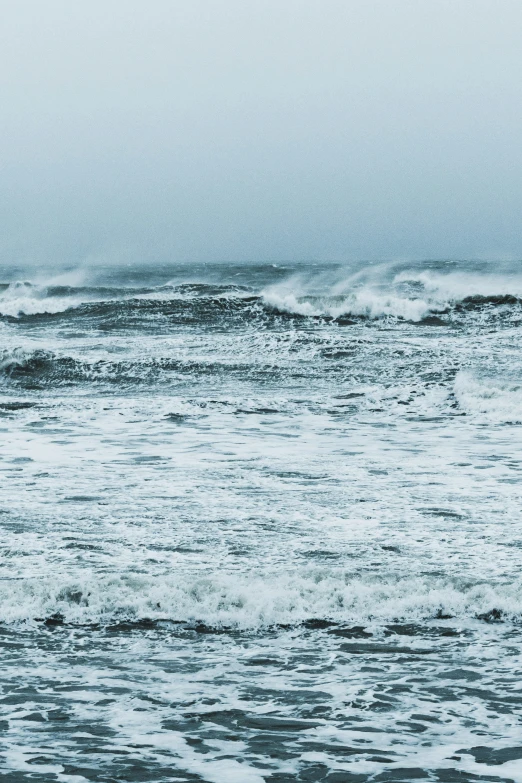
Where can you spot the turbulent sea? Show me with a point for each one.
(261, 524)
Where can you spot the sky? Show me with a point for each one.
(260, 130)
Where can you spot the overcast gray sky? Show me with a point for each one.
(260, 129)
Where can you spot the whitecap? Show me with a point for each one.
(256, 601)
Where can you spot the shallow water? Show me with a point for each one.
(261, 523)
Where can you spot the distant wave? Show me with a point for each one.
(197, 303)
(257, 600)
(25, 299)
(409, 295)
(372, 294)
(363, 304)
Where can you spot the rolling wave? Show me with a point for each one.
(492, 399)
(370, 294)
(256, 601)
(407, 296)
(40, 368)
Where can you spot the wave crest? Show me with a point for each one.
(372, 292)
(26, 299)
(409, 295)
(256, 601)
(497, 400)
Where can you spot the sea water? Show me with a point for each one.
(261, 523)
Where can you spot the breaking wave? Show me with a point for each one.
(256, 601)
(497, 400)
(383, 291)
(25, 299)
(410, 295)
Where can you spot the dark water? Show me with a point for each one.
(261, 523)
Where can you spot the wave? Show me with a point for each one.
(363, 304)
(409, 295)
(39, 368)
(372, 292)
(256, 601)
(496, 400)
(479, 397)
(114, 308)
(25, 299)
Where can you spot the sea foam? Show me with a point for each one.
(410, 295)
(256, 601)
(495, 399)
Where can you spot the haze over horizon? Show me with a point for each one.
(205, 131)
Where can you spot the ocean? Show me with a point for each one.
(261, 523)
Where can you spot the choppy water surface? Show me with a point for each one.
(261, 524)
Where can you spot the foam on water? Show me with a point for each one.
(411, 295)
(493, 399)
(261, 523)
(259, 600)
(366, 303)
(26, 299)
(379, 291)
